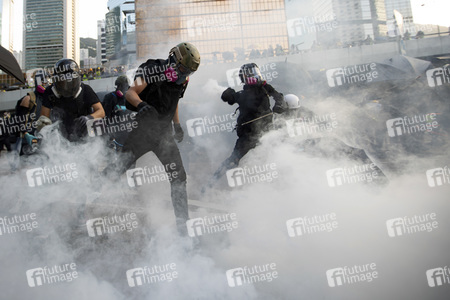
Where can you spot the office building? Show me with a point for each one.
(54, 34)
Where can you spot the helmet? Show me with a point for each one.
(250, 74)
(186, 57)
(122, 83)
(292, 101)
(66, 77)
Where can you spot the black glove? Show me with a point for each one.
(79, 125)
(278, 109)
(228, 96)
(179, 133)
(143, 107)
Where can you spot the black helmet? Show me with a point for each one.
(250, 74)
(66, 77)
(122, 83)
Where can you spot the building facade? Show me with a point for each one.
(54, 33)
(357, 20)
(7, 24)
(404, 8)
(221, 30)
(101, 42)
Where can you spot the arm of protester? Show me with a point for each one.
(133, 92)
(176, 119)
(99, 112)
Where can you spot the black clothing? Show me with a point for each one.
(112, 103)
(154, 132)
(68, 109)
(253, 103)
(160, 93)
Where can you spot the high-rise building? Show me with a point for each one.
(101, 42)
(121, 32)
(404, 8)
(357, 19)
(7, 24)
(214, 27)
(54, 35)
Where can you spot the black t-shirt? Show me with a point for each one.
(160, 93)
(254, 101)
(68, 109)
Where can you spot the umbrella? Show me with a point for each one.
(401, 67)
(8, 63)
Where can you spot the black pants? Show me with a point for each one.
(248, 138)
(155, 137)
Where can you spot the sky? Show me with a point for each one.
(424, 12)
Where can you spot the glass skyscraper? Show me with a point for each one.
(53, 35)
